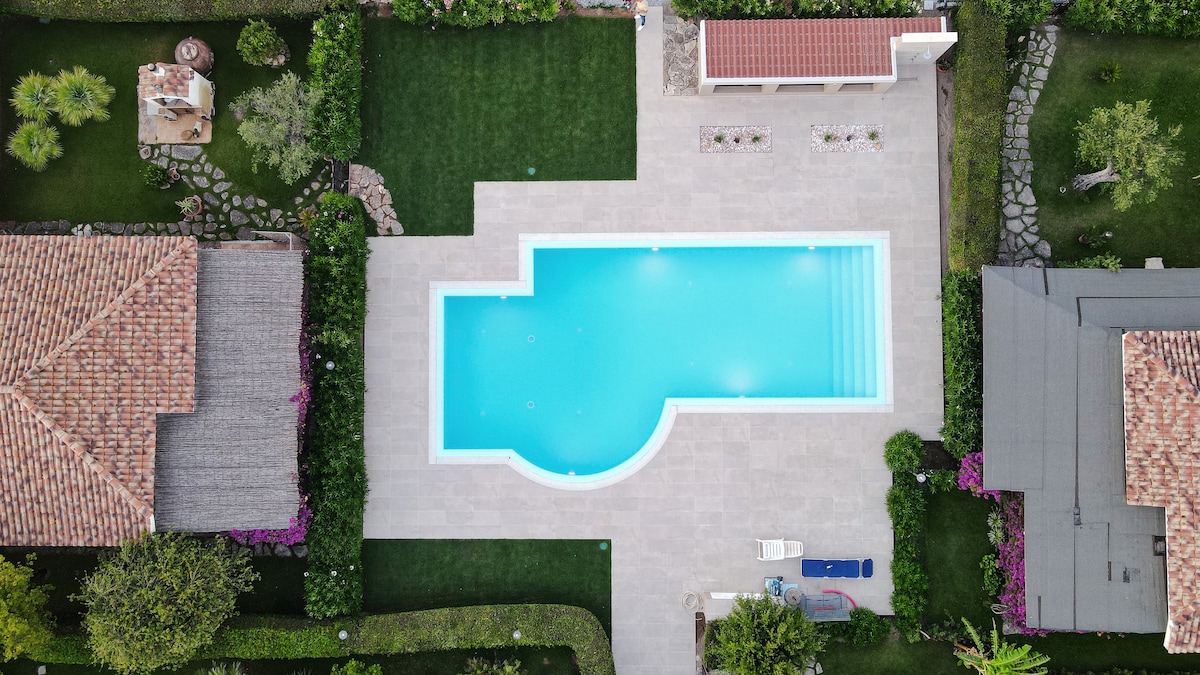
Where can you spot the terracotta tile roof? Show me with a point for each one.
(171, 80)
(1162, 466)
(97, 336)
(793, 48)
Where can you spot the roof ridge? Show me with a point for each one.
(67, 440)
(1174, 373)
(73, 339)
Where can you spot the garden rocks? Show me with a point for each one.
(367, 185)
(1020, 244)
(735, 139)
(846, 138)
(681, 49)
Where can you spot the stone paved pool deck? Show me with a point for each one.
(686, 521)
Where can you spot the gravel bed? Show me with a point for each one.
(735, 139)
(847, 138)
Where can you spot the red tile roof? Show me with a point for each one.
(97, 335)
(171, 81)
(1162, 465)
(794, 48)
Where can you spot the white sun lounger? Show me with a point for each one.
(779, 549)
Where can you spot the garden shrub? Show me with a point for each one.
(805, 9)
(762, 636)
(906, 507)
(866, 628)
(1146, 17)
(157, 600)
(24, 621)
(484, 667)
(1020, 14)
(34, 144)
(163, 10)
(993, 579)
(335, 61)
(941, 480)
(979, 108)
(962, 354)
(336, 274)
(903, 452)
(278, 126)
(1103, 261)
(356, 667)
(474, 13)
(260, 45)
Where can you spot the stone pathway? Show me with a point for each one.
(367, 184)
(681, 51)
(1020, 243)
(227, 215)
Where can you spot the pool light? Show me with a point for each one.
(653, 248)
(812, 248)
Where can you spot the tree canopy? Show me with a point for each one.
(24, 621)
(277, 126)
(157, 600)
(762, 637)
(1138, 158)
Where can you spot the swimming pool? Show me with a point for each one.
(577, 384)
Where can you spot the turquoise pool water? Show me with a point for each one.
(574, 378)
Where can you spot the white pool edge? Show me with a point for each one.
(524, 285)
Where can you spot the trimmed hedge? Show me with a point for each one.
(804, 9)
(1145, 17)
(474, 13)
(335, 61)
(903, 452)
(163, 10)
(336, 273)
(962, 354)
(480, 627)
(979, 108)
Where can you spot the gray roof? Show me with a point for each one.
(231, 463)
(1053, 416)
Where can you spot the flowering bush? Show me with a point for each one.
(474, 13)
(292, 535)
(970, 477)
(1012, 562)
(1150, 17)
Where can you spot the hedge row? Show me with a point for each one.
(962, 368)
(336, 273)
(163, 10)
(481, 627)
(804, 9)
(474, 13)
(979, 107)
(906, 507)
(1147, 17)
(335, 62)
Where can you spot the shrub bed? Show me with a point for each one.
(906, 507)
(1146, 17)
(336, 274)
(962, 352)
(335, 61)
(804, 9)
(979, 106)
(474, 13)
(479, 627)
(161, 10)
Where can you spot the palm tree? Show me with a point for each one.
(80, 96)
(32, 97)
(1004, 659)
(34, 145)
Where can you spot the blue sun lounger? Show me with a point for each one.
(853, 568)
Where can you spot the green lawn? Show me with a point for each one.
(411, 574)
(445, 108)
(98, 176)
(1161, 70)
(955, 540)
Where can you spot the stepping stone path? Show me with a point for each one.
(681, 50)
(367, 185)
(225, 215)
(1020, 243)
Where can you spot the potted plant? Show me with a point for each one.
(173, 174)
(154, 175)
(190, 206)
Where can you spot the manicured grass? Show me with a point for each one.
(955, 540)
(895, 657)
(410, 574)
(1158, 69)
(98, 177)
(445, 108)
(1081, 653)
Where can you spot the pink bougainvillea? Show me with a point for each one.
(1012, 562)
(970, 477)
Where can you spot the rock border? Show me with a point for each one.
(735, 139)
(1020, 243)
(366, 184)
(846, 138)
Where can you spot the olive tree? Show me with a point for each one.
(157, 600)
(762, 637)
(1137, 158)
(24, 621)
(277, 123)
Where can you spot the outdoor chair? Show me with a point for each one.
(779, 549)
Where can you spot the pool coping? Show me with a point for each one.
(524, 285)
